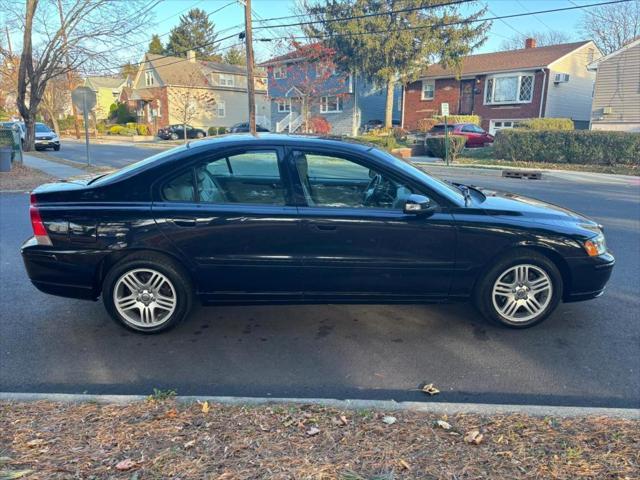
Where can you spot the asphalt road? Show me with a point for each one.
(585, 354)
(104, 154)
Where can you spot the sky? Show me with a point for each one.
(230, 20)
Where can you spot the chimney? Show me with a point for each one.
(191, 56)
(530, 43)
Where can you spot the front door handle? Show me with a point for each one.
(323, 228)
(185, 222)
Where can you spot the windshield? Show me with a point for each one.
(42, 128)
(135, 167)
(443, 188)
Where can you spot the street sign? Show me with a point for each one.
(445, 109)
(84, 99)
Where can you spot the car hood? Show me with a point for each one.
(531, 210)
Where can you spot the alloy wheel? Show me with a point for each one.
(522, 292)
(145, 298)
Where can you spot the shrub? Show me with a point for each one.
(426, 124)
(101, 127)
(142, 129)
(127, 132)
(212, 131)
(435, 146)
(319, 125)
(386, 143)
(399, 133)
(546, 124)
(561, 146)
(115, 129)
(123, 115)
(459, 119)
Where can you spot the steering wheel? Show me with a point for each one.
(371, 192)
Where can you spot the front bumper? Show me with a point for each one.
(67, 273)
(47, 143)
(589, 277)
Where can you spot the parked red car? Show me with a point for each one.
(476, 136)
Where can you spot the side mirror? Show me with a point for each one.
(417, 204)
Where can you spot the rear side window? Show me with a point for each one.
(244, 178)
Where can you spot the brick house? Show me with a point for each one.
(302, 81)
(504, 87)
(216, 92)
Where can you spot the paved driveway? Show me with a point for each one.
(585, 354)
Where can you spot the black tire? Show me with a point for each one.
(170, 269)
(199, 135)
(173, 136)
(483, 295)
(56, 148)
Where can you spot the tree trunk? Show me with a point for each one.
(388, 112)
(56, 126)
(30, 133)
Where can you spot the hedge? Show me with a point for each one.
(435, 145)
(385, 142)
(213, 131)
(475, 119)
(546, 124)
(577, 146)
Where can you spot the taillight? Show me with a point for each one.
(39, 231)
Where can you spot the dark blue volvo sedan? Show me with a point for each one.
(258, 219)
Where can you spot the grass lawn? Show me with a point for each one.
(484, 156)
(163, 439)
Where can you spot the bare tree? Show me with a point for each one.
(542, 38)
(87, 35)
(57, 99)
(190, 102)
(612, 26)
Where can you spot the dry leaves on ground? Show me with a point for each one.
(164, 439)
(23, 178)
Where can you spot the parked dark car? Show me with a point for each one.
(243, 127)
(277, 218)
(176, 132)
(476, 136)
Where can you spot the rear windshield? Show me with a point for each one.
(42, 128)
(440, 129)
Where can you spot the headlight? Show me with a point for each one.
(595, 246)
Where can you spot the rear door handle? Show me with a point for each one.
(185, 222)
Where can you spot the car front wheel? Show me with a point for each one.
(173, 136)
(199, 135)
(148, 294)
(520, 290)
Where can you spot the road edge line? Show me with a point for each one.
(440, 408)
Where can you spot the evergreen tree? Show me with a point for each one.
(128, 70)
(398, 45)
(155, 45)
(194, 32)
(236, 56)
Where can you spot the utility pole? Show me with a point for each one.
(251, 90)
(76, 123)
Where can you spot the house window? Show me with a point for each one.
(428, 89)
(226, 80)
(221, 109)
(280, 71)
(148, 79)
(501, 89)
(284, 105)
(330, 104)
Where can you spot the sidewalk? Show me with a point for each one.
(54, 169)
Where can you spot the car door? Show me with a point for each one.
(356, 246)
(231, 214)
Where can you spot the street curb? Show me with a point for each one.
(439, 408)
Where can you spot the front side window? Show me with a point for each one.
(330, 104)
(332, 181)
(509, 89)
(428, 89)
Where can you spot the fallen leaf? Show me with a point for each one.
(429, 389)
(13, 474)
(404, 465)
(343, 420)
(313, 431)
(474, 436)
(205, 406)
(190, 444)
(443, 424)
(126, 464)
(35, 442)
(389, 420)
(171, 413)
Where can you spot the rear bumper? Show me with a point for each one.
(67, 273)
(589, 277)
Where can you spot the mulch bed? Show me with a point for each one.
(23, 178)
(164, 439)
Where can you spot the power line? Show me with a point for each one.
(448, 24)
(535, 16)
(366, 15)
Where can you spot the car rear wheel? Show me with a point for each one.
(173, 136)
(148, 294)
(199, 135)
(520, 290)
